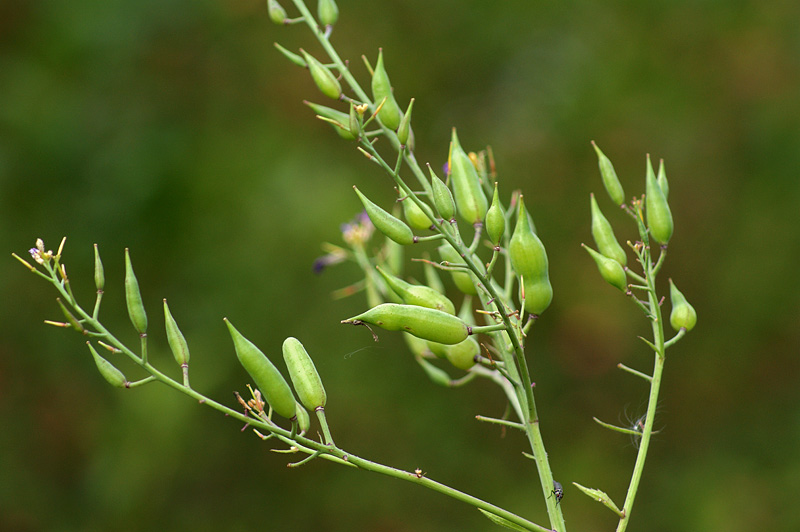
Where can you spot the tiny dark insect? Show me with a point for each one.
(558, 491)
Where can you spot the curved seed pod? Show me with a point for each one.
(291, 56)
(442, 197)
(387, 224)
(303, 420)
(111, 374)
(683, 315)
(662, 179)
(415, 216)
(305, 377)
(659, 217)
(462, 355)
(133, 298)
(265, 375)
(529, 260)
(604, 237)
(338, 120)
(324, 79)
(420, 295)
(495, 219)
(328, 12)
(610, 179)
(404, 129)
(426, 323)
(390, 113)
(461, 278)
(610, 269)
(99, 275)
(276, 12)
(470, 199)
(175, 339)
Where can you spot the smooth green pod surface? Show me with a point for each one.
(609, 175)
(470, 199)
(659, 216)
(175, 339)
(303, 419)
(495, 219)
(111, 374)
(462, 355)
(529, 261)
(390, 114)
(328, 12)
(442, 197)
(683, 315)
(265, 375)
(387, 224)
(610, 269)
(414, 215)
(404, 129)
(276, 12)
(99, 275)
(426, 323)
(423, 296)
(604, 237)
(305, 377)
(662, 179)
(133, 298)
(324, 79)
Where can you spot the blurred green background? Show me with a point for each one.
(175, 129)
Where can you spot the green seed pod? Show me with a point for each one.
(415, 216)
(72, 320)
(111, 374)
(529, 260)
(133, 297)
(604, 237)
(338, 120)
(610, 269)
(175, 339)
(662, 179)
(659, 217)
(610, 179)
(683, 315)
(462, 355)
(417, 346)
(404, 129)
(265, 375)
(462, 279)
(390, 114)
(276, 12)
(387, 224)
(435, 374)
(305, 377)
(328, 12)
(442, 197)
(426, 323)
(291, 56)
(470, 199)
(99, 275)
(303, 420)
(420, 295)
(495, 219)
(324, 78)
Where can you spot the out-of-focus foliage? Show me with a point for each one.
(175, 129)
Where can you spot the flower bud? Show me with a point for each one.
(111, 374)
(265, 375)
(423, 296)
(610, 269)
(324, 78)
(404, 129)
(529, 260)
(387, 224)
(683, 315)
(470, 199)
(276, 12)
(604, 235)
(495, 219)
(390, 113)
(328, 12)
(175, 339)
(659, 217)
(442, 197)
(426, 323)
(610, 179)
(133, 297)
(305, 377)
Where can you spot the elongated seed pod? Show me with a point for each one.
(387, 224)
(683, 315)
(414, 215)
(175, 339)
(265, 375)
(659, 216)
(338, 120)
(111, 374)
(495, 219)
(610, 179)
(470, 199)
(99, 274)
(662, 179)
(133, 298)
(423, 296)
(291, 56)
(529, 261)
(442, 197)
(603, 235)
(404, 129)
(328, 12)
(305, 377)
(426, 323)
(610, 269)
(461, 278)
(276, 12)
(303, 419)
(324, 79)
(390, 114)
